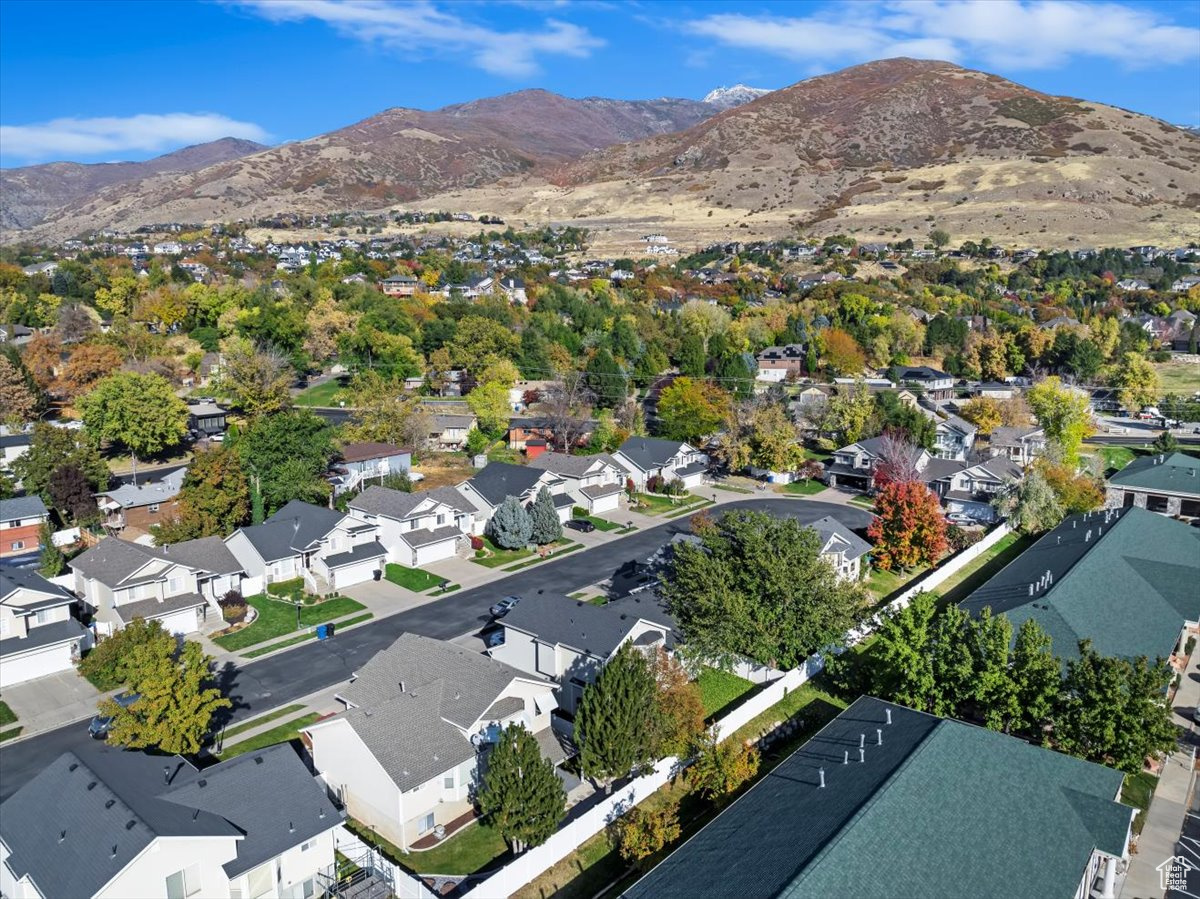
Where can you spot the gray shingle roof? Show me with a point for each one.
(14, 579)
(153, 608)
(497, 480)
(205, 553)
(648, 453)
(43, 635)
(165, 490)
(377, 500)
(359, 553)
(1174, 473)
(595, 630)
(296, 526)
(22, 507)
(427, 536)
(77, 825)
(113, 561)
(829, 528)
(571, 466)
(1123, 578)
(935, 799)
(410, 701)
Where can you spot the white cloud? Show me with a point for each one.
(419, 28)
(1014, 34)
(72, 138)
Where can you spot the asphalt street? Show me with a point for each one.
(311, 667)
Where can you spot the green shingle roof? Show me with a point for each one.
(1125, 579)
(939, 809)
(1174, 473)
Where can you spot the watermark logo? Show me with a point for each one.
(1172, 873)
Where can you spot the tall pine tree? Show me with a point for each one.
(521, 795)
(546, 528)
(510, 526)
(1036, 676)
(613, 723)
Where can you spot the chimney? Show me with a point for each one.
(821, 772)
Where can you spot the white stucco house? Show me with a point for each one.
(39, 635)
(415, 528)
(129, 825)
(420, 716)
(328, 549)
(646, 457)
(177, 585)
(841, 547)
(594, 482)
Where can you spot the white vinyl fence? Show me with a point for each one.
(586, 824)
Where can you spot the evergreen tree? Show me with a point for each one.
(1036, 677)
(511, 526)
(905, 653)
(51, 560)
(692, 358)
(606, 379)
(1166, 443)
(543, 518)
(521, 796)
(953, 666)
(613, 722)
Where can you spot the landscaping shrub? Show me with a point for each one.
(476, 543)
(961, 538)
(233, 607)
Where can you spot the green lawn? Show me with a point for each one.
(1178, 377)
(10, 734)
(1137, 791)
(288, 731)
(720, 689)
(884, 583)
(817, 455)
(499, 557)
(657, 505)
(412, 578)
(964, 582)
(1115, 457)
(865, 501)
(560, 547)
(259, 721)
(6, 714)
(602, 524)
(501, 453)
(277, 619)
(472, 849)
(321, 395)
(803, 488)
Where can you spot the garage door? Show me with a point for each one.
(353, 574)
(606, 503)
(435, 552)
(50, 660)
(182, 622)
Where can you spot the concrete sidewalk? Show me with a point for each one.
(1165, 818)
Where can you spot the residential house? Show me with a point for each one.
(1169, 484)
(885, 801)
(39, 633)
(593, 482)
(644, 458)
(415, 528)
(15, 334)
(116, 824)
(399, 285)
(21, 520)
(955, 438)
(971, 490)
(361, 462)
(1020, 445)
(141, 506)
(935, 384)
(775, 363)
(995, 390)
(522, 429)
(13, 447)
(498, 480)
(206, 419)
(569, 641)
(854, 465)
(524, 393)
(1125, 579)
(1133, 284)
(1186, 283)
(406, 755)
(513, 289)
(328, 549)
(448, 431)
(1059, 321)
(841, 547)
(178, 585)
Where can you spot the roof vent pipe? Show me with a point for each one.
(888, 712)
(862, 740)
(821, 772)
(846, 757)
(879, 736)
(862, 755)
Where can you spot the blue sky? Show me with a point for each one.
(99, 81)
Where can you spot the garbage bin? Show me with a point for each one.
(322, 631)
(329, 629)
(377, 573)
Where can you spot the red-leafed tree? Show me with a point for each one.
(909, 528)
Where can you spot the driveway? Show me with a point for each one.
(314, 666)
(52, 701)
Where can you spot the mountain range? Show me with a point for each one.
(884, 147)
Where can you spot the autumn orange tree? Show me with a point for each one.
(842, 353)
(909, 528)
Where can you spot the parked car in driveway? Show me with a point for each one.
(504, 606)
(960, 519)
(100, 725)
(582, 525)
(495, 638)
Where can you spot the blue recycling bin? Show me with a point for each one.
(322, 631)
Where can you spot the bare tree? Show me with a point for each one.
(75, 324)
(566, 405)
(898, 459)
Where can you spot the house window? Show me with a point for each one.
(261, 881)
(185, 883)
(153, 508)
(307, 844)
(412, 524)
(18, 544)
(3, 625)
(441, 520)
(175, 585)
(15, 523)
(426, 824)
(43, 616)
(448, 781)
